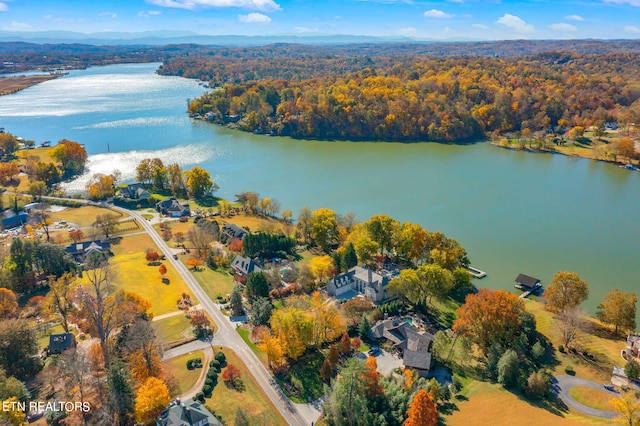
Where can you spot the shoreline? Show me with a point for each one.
(10, 85)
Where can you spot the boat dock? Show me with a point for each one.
(476, 273)
(528, 292)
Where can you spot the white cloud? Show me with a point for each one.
(110, 14)
(632, 29)
(254, 18)
(48, 16)
(635, 3)
(437, 14)
(263, 5)
(480, 26)
(562, 26)
(17, 26)
(574, 18)
(515, 23)
(3, 7)
(149, 13)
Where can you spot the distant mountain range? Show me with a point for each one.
(158, 38)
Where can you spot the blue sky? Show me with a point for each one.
(445, 19)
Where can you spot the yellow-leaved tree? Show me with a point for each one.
(152, 397)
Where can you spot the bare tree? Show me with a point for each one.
(572, 323)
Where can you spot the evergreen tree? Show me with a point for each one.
(364, 328)
(261, 311)
(350, 259)
(235, 301)
(121, 396)
(256, 286)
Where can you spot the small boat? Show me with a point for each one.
(629, 167)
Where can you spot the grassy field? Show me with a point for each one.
(214, 283)
(38, 154)
(598, 350)
(134, 275)
(172, 328)
(185, 378)
(590, 397)
(487, 403)
(83, 216)
(225, 401)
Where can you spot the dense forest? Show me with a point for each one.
(414, 97)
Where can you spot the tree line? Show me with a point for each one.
(432, 98)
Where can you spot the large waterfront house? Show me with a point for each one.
(361, 280)
(173, 208)
(135, 191)
(413, 345)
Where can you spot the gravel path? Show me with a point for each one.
(561, 385)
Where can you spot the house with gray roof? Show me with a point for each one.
(173, 208)
(243, 266)
(80, 251)
(413, 345)
(135, 191)
(187, 413)
(360, 280)
(231, 230)
(58, 343)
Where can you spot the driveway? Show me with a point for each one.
(560, 385)
(386, 361)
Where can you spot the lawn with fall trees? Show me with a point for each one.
(136, 276)
(226, 401)
(184, 378)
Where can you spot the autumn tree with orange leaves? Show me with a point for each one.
(422, 410)
(490, 317)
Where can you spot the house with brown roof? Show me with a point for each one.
(527, 283)
(413, 345)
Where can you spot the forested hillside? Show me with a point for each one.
(417, 97)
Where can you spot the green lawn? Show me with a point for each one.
(590, 397)
(225, 401)
(184, 378)
(172, 328)
(43, 336)
(214, 283)
(303, 383)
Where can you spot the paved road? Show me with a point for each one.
(561, 385)
(226, 335)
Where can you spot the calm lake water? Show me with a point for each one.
(514, 212)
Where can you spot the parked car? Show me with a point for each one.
(373, 350)
(34, 415)
(175, 256)
(610, 388)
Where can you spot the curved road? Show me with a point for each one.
(226, 335)
(561, 385)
